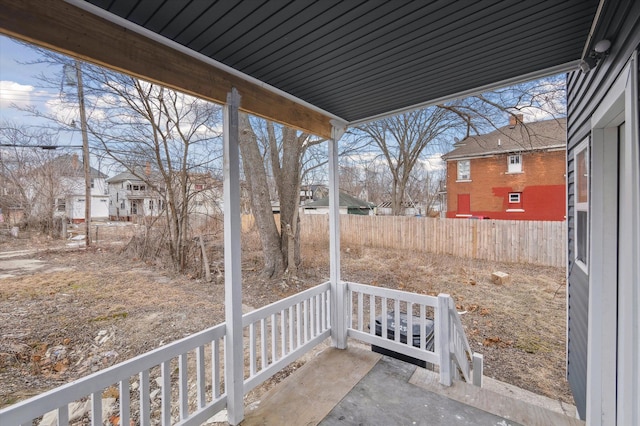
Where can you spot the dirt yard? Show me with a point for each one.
(65, 313)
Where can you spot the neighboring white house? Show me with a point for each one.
(70, 196)
(130, 196)
(205, 195)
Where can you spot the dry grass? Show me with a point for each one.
(519, 328)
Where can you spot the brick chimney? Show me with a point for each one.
(515, 119)
(147, 169)
(74, 161)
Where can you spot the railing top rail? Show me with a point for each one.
(278, 306)
(404, 296)
(60, 396)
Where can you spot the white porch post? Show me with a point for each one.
(338, 288)
(234, 362)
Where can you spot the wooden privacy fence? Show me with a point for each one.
(536, 242)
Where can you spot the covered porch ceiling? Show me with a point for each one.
(304, 63)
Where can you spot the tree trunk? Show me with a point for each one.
(254, 170)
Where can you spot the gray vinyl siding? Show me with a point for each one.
(584, 95)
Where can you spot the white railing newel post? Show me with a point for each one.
(477, 369)
(444, 333)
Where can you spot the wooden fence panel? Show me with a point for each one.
(534, 242)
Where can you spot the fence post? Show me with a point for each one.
(444, 333)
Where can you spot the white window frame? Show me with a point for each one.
(462, 177)
(515, 198)
(514, 166)
(583, 147)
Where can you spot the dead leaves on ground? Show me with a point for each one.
(496, 342)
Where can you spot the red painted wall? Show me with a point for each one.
(541, 184)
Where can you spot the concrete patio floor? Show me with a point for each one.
(359, 387)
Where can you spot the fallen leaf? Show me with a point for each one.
(60, 367)
(111, 392)
(485, 311)
(491, 341)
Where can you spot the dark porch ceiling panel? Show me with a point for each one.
(358, 59)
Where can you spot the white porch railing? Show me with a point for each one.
(392, 317)
(274, 336)
(282, 332)
(139, 371)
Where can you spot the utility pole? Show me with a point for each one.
(85, 156)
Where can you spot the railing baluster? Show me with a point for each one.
(63, 415)
(423, 326)
(252, 348)
(200, 376)
(360, 310)
(312, 317)
(410, 324)
(145, 402)
(320, 313)
(283, 332)
(165, 368)
(274, 332)
(372, 314)
(215, 367)
(96, 408)
(396, 313)
(299, 324)
(263, 342)
(291, 329)
(328, 300)
(384, 318)
(183, 386)
(306, 320)
(318, 320)
(125, 402)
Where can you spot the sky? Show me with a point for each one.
(18, 84)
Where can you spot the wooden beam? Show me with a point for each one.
(67, 29)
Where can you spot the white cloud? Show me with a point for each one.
(433, 162)
(15, 93)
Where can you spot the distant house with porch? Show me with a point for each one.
(514, 172)
(130, 196)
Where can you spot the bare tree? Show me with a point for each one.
(276, 153)
(143, 123)
(33, 179)
(132, 124)
(402, 139)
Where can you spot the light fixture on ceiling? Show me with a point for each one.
(599, 51)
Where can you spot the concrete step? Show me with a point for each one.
(502, 399)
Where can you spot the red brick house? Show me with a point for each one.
(515, 172)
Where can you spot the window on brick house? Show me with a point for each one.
(515, 163)
(514, 197)
(464, 170)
